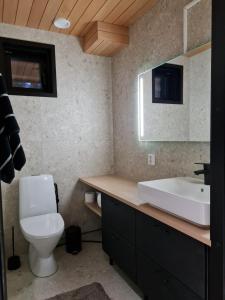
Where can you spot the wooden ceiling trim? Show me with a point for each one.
(88, 15)
(91, 32)
(102, 47)
(49, 14)
(112, 49)
(105, 39)
(118, 10)
(36, 13)
(76, 13)
(113, 28)
(23, 12)
(64, 11)
(91, 40)
(146, 8)
(113, 37)
(131, 10)
(101, 14)
(92, 43)
(1, 10)
(107, 33)
(9, 11)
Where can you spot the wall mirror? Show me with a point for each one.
(174, 99)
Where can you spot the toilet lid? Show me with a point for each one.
(42, 226)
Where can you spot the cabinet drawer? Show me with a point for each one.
(121, 252)
(119, 218)
(180, 255)
(158, 284)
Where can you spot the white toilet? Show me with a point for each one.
(40, 223)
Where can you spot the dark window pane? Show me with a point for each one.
(26, 74)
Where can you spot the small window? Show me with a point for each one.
(167, 84)
(28, 67)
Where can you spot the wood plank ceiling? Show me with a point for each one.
(81, 13)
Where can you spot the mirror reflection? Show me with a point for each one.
(174, 99)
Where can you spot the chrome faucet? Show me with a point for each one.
(205, 171)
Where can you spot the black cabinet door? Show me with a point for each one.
(166, 264)
(120, 251)
(158, 284)
(180, 255)
(118, 234)
(119, 218)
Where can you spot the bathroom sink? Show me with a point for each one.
(185, 197)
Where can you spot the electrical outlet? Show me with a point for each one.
(151, 159)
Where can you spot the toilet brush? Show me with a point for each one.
(14, 260)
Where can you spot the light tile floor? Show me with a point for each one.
(90, 265)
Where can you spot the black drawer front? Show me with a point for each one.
(121, 252)
(158, 284)
(119, 218)
(180, 255)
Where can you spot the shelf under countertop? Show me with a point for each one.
(94, 207)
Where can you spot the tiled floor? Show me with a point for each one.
(91, 265)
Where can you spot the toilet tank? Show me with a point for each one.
(36, 196)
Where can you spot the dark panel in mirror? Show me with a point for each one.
(167, 84)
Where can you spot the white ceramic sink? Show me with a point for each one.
(184, 197)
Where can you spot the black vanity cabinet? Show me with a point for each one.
(170, 265)
(166, 264)
(118, 234)
(158, 284)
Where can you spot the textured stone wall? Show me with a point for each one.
(155, 38)
(69, 136)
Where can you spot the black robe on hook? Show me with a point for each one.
(11, 152)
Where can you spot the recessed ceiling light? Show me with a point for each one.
(62, 23)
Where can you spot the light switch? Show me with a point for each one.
(151, 159)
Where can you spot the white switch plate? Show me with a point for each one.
(151, 159)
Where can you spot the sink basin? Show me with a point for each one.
(185, 197)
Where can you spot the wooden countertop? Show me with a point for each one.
(126, 191)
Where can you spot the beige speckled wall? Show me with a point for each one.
(155, 38)
(72, 136)
(69, 136)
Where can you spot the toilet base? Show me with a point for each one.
(41, 266)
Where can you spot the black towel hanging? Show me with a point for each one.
(11, 152)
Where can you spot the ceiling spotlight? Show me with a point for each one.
(62, 23)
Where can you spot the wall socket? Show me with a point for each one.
(151, 159)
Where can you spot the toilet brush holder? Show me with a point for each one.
(14, 260)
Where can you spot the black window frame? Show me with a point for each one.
(181, 76)
(29, 51)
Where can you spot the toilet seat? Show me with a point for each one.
(43, 226)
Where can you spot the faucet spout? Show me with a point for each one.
(199, 172)
(205, 171)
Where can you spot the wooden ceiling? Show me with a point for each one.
(81, 13)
